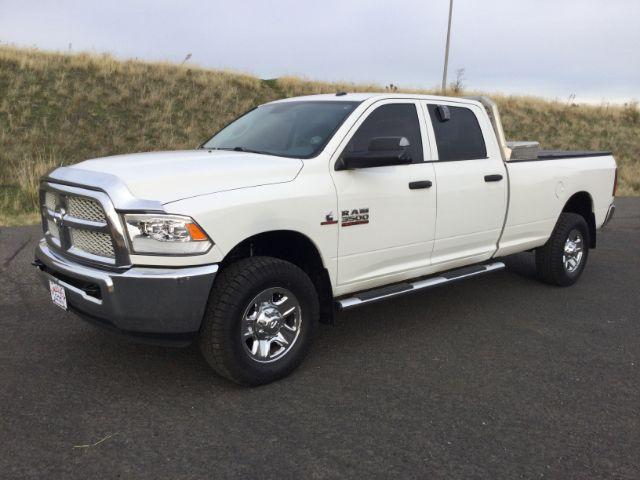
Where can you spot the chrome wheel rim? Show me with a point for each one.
(271, 325)
(573, 251)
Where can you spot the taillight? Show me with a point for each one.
(615, 183)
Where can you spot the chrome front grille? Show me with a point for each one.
(95, 243)
(49, 223)
(82, 223)
(85, 209)
(50, 200)
(53, 230)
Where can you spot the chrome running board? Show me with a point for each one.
(404, 288)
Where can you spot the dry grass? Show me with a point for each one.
(60, 109)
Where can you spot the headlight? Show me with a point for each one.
(165, 234)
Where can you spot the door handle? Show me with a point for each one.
(420, 184)
(492, 178)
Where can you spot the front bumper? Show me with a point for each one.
(160, 303)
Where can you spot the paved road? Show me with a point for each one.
(495, 377)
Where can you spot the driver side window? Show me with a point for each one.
(391, 120)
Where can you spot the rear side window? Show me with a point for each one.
(459, 137)
(392, 120)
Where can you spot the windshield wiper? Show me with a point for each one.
(248, 150)
(239, 149)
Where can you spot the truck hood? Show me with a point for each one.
(171, 176)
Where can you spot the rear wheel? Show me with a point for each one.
(260, 320)
(563, 258)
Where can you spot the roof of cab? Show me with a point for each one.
(361, 97)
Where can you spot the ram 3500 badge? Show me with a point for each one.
(357, 216)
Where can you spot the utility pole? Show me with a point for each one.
(446, 51)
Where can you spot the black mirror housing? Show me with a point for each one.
(443, 112)
(381, 152)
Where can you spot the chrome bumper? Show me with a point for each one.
(139, 300)
(610, 212)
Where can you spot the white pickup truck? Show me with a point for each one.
(307, 205)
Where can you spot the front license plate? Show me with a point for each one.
(58, 295)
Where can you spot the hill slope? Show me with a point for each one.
(59, 109)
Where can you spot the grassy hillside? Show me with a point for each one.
(58, 109)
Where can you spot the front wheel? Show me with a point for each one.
(563, 258)
(260, 320)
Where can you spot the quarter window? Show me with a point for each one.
(391, 120)
(459, 137)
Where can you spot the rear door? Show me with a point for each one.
(472, 184)
(386, 214)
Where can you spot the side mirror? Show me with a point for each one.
(443, 112)
(381, 152)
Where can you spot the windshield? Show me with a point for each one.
(287, 129)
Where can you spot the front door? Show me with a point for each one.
(386, 214)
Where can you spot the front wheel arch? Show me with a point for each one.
(293, 247)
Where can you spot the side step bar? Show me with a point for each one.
(398, 289)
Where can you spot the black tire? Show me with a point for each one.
(233, 292)
(549, 258)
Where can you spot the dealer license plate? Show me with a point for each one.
(58, 295)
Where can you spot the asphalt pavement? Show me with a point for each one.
(497, 377)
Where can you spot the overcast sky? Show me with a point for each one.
(553, 48)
